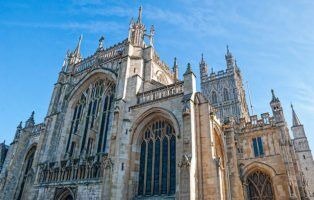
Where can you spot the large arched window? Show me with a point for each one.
(226, 94)
(214, 97)
(259, 186)
(91, 117)
(157, 173)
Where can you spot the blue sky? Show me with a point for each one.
(273, 42)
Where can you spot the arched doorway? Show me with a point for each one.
(157, 170)
(259, 186)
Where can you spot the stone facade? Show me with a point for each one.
(121, 125)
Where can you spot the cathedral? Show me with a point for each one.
(121, 124)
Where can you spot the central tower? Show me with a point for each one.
(224, 89)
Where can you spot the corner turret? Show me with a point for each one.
(276, 107)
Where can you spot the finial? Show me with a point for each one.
(175, 62)
(152, 30)
(273, 93)
(202, 57)
(100, 44)
(291, 106)
(139, 19)
(188, 69)
(227, 48)
(212, 69)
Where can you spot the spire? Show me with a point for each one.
(274, 98)
(139, 19)
(295, 119)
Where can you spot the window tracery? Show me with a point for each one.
(157, 173)
(90, 121)
(259, 186)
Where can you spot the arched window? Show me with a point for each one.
(214, 97)
(91, 115)
(259, 186)
(26, 170)
(226, 95)
(157, 173)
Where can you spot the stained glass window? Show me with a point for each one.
(157, 172)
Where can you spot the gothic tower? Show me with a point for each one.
(303, 152)
(224, 89)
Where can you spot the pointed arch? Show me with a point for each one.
(153, 153)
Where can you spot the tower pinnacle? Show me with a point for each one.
(229, 59)
(175, 69)
(78, 47)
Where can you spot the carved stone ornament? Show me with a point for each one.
(186, 109)
(185, 161)
(107, 163)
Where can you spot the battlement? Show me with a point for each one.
(101, 57)
(219, 74)
(254, 121)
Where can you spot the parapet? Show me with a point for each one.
(254, 122)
